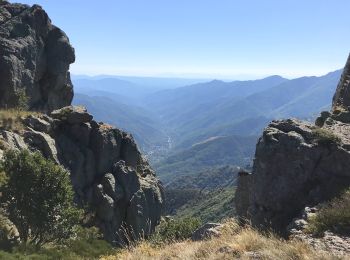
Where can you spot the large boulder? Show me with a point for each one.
(108, 173)
(34, 59)
(298, 164)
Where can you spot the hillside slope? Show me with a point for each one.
(216, 151)
(206, 194)
(142, 124)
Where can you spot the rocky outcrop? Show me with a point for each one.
(207, 231)
(34, 59)
(108, 173)
(242, 195)
(299, 164)
(110, 177)
(341, 99)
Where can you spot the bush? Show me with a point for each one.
(175, 230)
(38, 197)
(325, 137)
(89, 243)
(333, 216)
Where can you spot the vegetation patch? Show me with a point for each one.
(325, 137)
(175, 230)
(12, 119)
(235, 242)
(38, 197)
(87, 244)
(211, 206)
(333, 215)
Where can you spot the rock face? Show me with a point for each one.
(298, 164)
(107, 170)
(34, 59)
(109, 175)
(341, 97)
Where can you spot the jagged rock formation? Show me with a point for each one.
(298, 164)
(34, 59)
(108, 173)
(341, 97)
(107, 170)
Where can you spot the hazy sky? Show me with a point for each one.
(204, 38)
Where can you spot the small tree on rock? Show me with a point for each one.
(38, 196)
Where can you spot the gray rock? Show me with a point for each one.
(72, 115)
(207, 231)
(294, 167)
(343, 116)
(34, 59)
(341, 98)
(112, 188)
(321, 119)
(242, 195)
(290, 172)
(9, 235)
(12, 140)
(38, 124)
(329, 243)
(43, 143)
(107, 170)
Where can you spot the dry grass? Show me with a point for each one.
(333, 215)
(234, 243)
(12, 119)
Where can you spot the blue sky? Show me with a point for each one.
(234, 39)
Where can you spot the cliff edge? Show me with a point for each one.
(298, 165)
(110, 177)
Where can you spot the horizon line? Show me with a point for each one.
(189, 76)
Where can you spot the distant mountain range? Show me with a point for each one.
(200, 125)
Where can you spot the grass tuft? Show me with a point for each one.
(12, 119)
(235, 242)
(333, 216)
(325, 137)
(175, 230)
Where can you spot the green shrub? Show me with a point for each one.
(333, 216)
(175, 230)
(325, 137)
(87, 244)
(38, 197)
